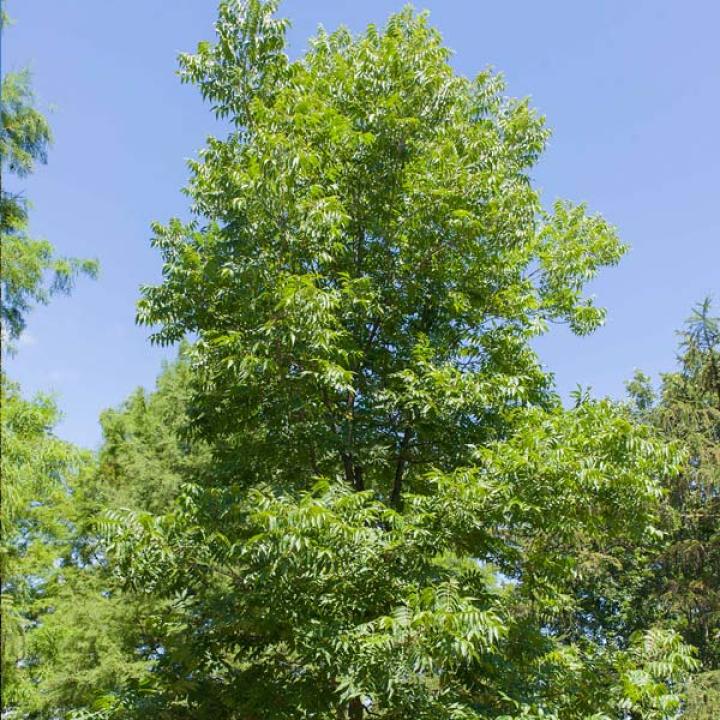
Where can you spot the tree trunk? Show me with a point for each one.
(355, 709)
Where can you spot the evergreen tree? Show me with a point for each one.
(47, 609)
(147, 452)
(99, 640)
(36, 470)
(70, 634)
(25, 262)
(685, 581)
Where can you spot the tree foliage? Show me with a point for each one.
(62, 639)
(357, 494)
(25, 261)
(146, 452)
(35, 470)
(686, 579)
(63, 636)
(399, 518)
(71, 635)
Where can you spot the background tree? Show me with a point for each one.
(30, 270)
(100, 640)
(70, 635)
(36, 470)
(400, 519)
(147, 453)
(63, 636)
(686, 575)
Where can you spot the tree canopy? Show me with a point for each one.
(26, 261)
(356, 493)
(400, 519)
(685, 582)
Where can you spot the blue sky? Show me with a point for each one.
(630, 90)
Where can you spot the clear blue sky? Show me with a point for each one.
(631, 90)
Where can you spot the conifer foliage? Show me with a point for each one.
(685, 582)
(25, 262)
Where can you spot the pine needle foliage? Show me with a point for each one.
(685, 577)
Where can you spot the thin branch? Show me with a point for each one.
(400, 467)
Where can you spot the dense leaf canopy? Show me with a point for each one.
(399, 519)
(356, 493)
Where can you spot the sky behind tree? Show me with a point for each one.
(629, 90)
